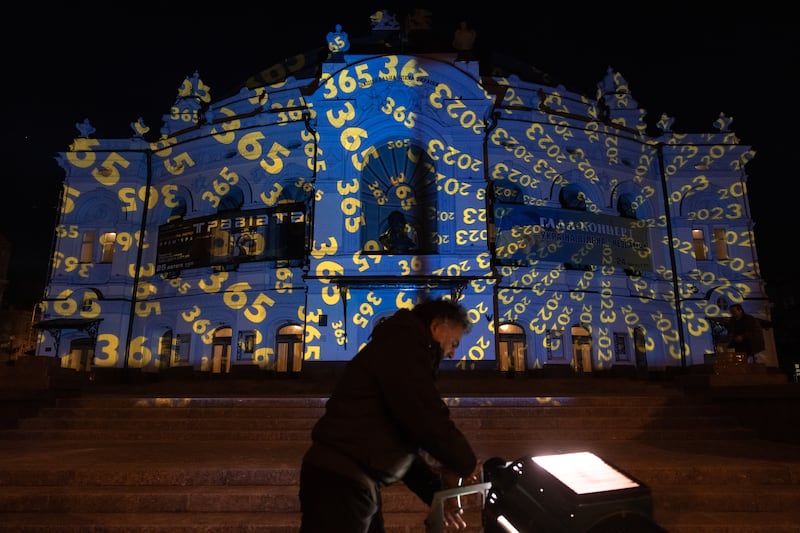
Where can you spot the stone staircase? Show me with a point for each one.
(160, 463)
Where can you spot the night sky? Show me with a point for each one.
(114, 64)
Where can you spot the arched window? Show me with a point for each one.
(179, 211)
(626, 205)
(581, 349)
(572, 197)
(398, 199)
(232, 201)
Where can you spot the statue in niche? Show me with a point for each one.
(396, 237)
(338, 41)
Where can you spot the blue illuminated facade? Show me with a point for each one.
(274, 228)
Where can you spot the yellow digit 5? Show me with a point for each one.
(257, 312)
(107, 173)
(80, 154)
(272, 164)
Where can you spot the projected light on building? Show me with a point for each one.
(323, 199)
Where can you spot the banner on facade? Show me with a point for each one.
(527, 234)
(232, 237)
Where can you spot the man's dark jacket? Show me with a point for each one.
(386, 408)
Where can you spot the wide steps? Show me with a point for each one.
(170, 498)
(136, 508)
(227, 465)
(260, 522)
(271, 419)
(302, 436)
(254, 424)
(460, 410)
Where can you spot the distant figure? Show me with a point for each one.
(744, 332)
(464, 38)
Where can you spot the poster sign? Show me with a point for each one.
(232, 237)
(527, 234)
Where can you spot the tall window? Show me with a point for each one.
(246, 345)
(699, 244)
(107, 241)
(87, 247)
(165, 350)
(86, 304)
(720, 245)
(626, 205)
(621, 351)
(555, 344)
(182, 344)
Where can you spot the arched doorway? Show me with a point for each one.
(289, 348)
(512, 349)
(221, 351)
(581, 349)
(81, 355)
(165, 348)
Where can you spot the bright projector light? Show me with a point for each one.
(571, 492)
(584, 472)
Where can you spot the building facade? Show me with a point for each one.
(274, 228)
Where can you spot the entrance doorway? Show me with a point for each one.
(511, 348)
(290, 349)
(81, 355)
(581, 349)
(221, 351)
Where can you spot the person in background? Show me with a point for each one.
(385, 422)
(745, 334)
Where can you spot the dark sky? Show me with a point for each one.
(113, 64)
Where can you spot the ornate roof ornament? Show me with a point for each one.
(665, 123)
(723, 123)
(85, 128)
(139, 128)
(383, 20)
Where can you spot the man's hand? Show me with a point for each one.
(454, 515)
(453, 510)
